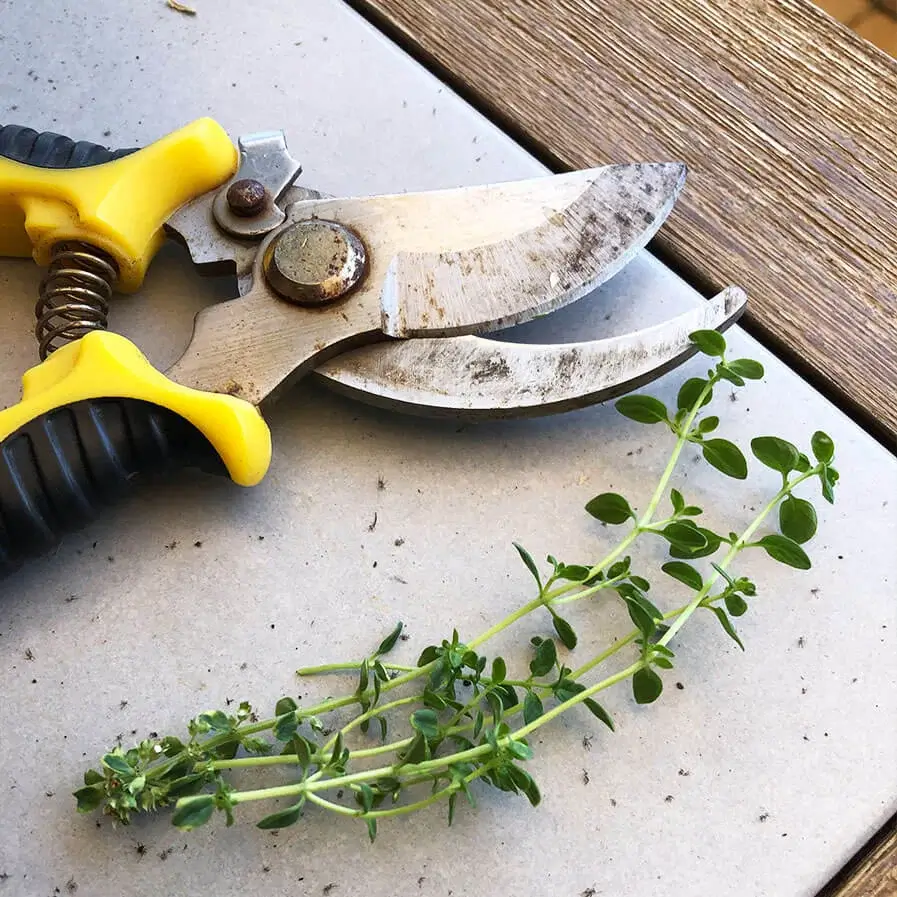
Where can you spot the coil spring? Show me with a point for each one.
(74, 295)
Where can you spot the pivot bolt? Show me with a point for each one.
(246, 197)
(315, 262)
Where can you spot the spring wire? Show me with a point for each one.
(74, 295)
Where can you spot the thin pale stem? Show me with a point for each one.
(428, 801)
(349, 667)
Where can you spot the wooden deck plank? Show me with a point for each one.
(874, 872)
(784, 117)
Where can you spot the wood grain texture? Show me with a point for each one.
(784, 117)
(874, 874)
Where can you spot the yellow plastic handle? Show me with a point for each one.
(105, 365)
(118, 206)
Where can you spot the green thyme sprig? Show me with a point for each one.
(465, 720)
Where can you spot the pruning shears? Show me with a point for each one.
(385, 298)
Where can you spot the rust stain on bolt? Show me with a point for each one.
(246, 197)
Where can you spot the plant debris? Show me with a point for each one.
(181, 7)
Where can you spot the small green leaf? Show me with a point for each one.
(685, 573)
(136, 785)
(779, 454)
(388, 785)
(365, 796)
(285, 727)
(499, 670)
(726, 373)
(828, 484)
(363, 677)
(171, 746)
(508, 695)
(712, 544)
(684, 536)
(530, 564)
(426, 722)
(565, 632)
(434, 700)
(532, 707)
(644, 409)
(797, 519)
(620, 568)
(823, 447)
(726, 623)
(227, 750)
(118, 765)
(640, 583)
(451, 807)
(194, 811)
(217, 720)
(785, 550)
(567, 688)
(282, 818)
(478, 723)
(372, 828)
(663, 662)
(470, 659)
(531, 790)
(428, 655)
(610, 508)
(646, 686)
(545, 659)
(691, 511)
(641, 617)
(726, 457)
(186, 785)
(89, 797)
(496, 707)
(417, 751)
(303, 751)
(285, 705)
(92, 777)
(520, 750)
(600, 713)
(390, 641)
(736, 605)
(747, 368)
(677, 501)
(710, 342)
(336, 755)
(632, 593)
(573, 572)
(689, 392)
(708, 424)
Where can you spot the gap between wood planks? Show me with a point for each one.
(783, 117)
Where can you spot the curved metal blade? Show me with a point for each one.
(471, 377)
(478, 259)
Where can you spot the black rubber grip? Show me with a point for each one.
(59, 471)
(49, 150)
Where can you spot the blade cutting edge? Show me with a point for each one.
(471, 377)
(479, 259)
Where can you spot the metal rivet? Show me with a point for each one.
(246, 197)
(316, 261)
